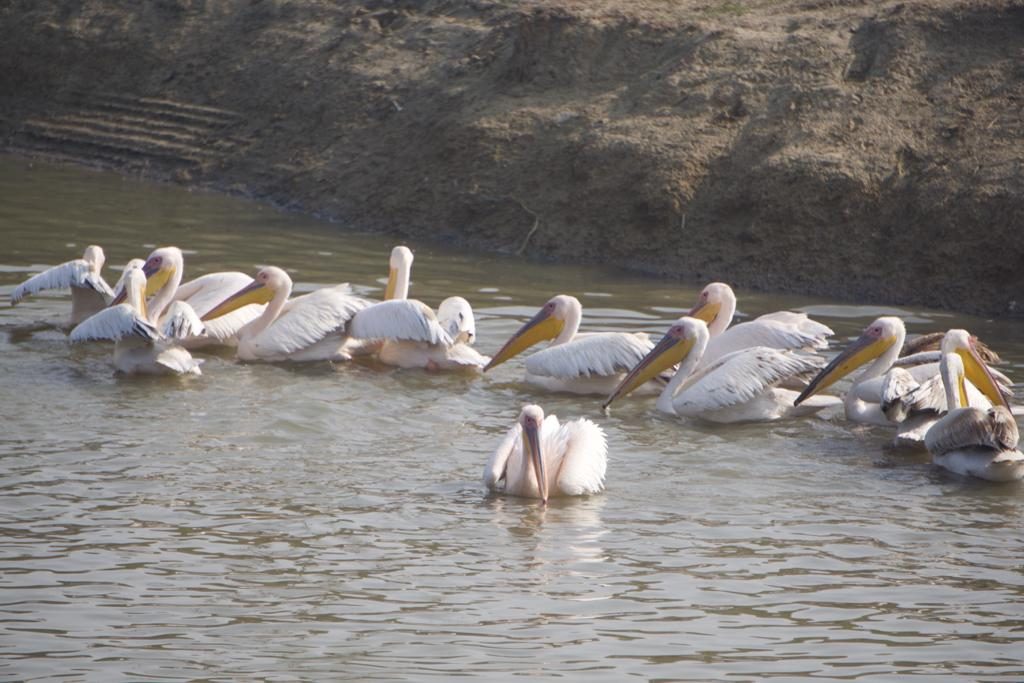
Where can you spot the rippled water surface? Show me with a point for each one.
(328, 521)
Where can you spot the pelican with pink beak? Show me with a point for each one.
(540, 458)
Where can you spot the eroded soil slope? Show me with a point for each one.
(870, 151)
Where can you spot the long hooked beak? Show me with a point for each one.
(531, 439)
(980, 376)
(540, 327)
(666, 353)
(864, 349)
(253, 293)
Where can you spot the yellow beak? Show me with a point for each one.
(389, 290)
(539, 328)
(706, 312)
(156, 278)
(666, 353)
(254, 293)
(978, 374)
(856, 354)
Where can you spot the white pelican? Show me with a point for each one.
(164, 269)
(742, 386)
(119, 287)
(873, 393)
(400, 269)
(979, 442)
(588, 363)
(716, 306)
(540, 458)
(141, 348)
(310, 327)
(408, 334)
(414, 337)
(89, 291)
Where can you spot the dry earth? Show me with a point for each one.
(864, 150)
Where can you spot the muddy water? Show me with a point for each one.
(328, 521)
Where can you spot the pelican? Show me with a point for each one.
(588, 363)
(141, 348)
(978, 442)
(739, 387)
(540, 458)
(873, 393)
(119, 287)
(164, 269)
(89, 291)
(716, 306)
(310, 327)
(413, 336)
(408, 334)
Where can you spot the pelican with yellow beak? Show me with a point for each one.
(89, 291)
(140, 347)
(588, 363)
(540, 458)
(973, 441)
(716, 305)
(311, 327)
(164, 270)
(870, 397)
(743, 386)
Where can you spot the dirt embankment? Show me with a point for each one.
(870, 151)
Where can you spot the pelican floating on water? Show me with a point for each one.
(881, 394)
(540, 458)
(310, 327)
(742, 386)
(89, 291)
(164, 269)
(586, 363)
(407, 332)
(978, 442)
(716, 305)
(140, 347)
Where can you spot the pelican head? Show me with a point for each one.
(531, 419)
(456, 317)
(161, 264)
(400, 265)
(268, 281)
(711, 302)
(135, 263)
(961, 343)
(95, 257)
(676, 346)
(548, 323)
(878, 338)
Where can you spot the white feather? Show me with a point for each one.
(597, 354)
(115, 323)
(304, 321)
(180, 322)
(739, 378)
(76, 273)
(399, 319)
(779, 330)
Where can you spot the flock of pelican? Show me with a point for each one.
(946, 400)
